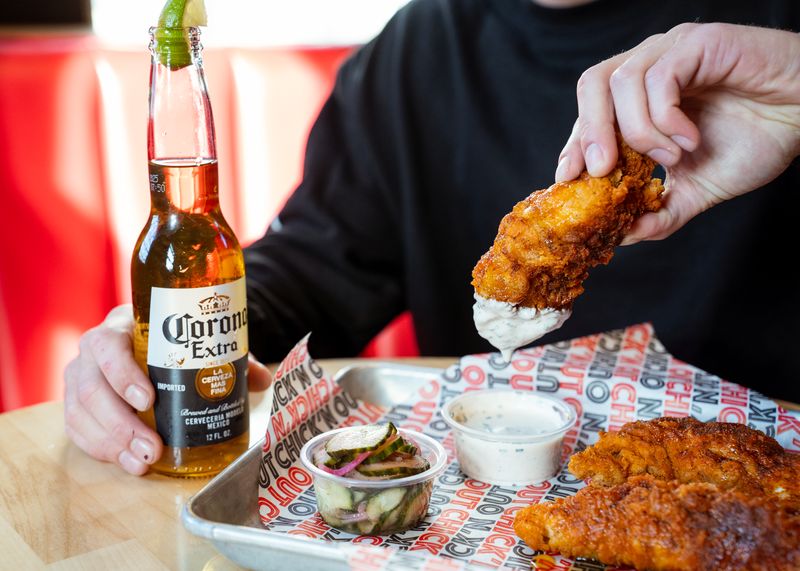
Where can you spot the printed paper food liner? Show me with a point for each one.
(610, 378)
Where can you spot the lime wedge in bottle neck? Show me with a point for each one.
(172, 42)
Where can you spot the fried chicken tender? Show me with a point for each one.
(547, 243)
(732, 456)
(658, 525)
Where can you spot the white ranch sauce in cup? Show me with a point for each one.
(508, 437)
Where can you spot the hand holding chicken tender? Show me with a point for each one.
(717, 104)
(526, 283)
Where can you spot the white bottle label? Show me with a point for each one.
(194, 328)
(197, 362)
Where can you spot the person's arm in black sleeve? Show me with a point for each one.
(331, 262)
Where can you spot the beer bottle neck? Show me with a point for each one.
(180, 125)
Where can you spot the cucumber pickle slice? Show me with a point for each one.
(382, 503)
(408, 448)
(391, 446)
(332, 497)
(396, 468)
(359, 439)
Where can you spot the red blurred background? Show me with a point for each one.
(73, 181)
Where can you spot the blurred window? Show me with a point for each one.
(254, 23)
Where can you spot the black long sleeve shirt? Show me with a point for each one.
(436, 128)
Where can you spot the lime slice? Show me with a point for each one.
(183, 14)
(172, 44)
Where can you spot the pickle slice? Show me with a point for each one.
(384, 502)
(408, 448)
(396, 468)
(336, 463)
(359, 439)
(392, 445)
(416, 509)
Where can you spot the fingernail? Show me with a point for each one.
(136, 397)
(683, 142)
(130, 463)
(661, 156)
(561, 170)
(594, 158)
(143, 450)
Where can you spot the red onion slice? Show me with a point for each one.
(347, 467)
(353, 517)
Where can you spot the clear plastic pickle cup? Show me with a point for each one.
(371, 506)
(508, 437)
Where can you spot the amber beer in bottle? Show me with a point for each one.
(188, 275)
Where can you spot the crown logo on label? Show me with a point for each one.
(215, 304)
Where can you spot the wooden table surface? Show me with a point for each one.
(61, 510)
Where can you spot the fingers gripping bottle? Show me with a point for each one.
(188, 275)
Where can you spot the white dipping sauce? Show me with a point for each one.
(508, 437)
(508, 326)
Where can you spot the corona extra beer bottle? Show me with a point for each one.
(187, 274)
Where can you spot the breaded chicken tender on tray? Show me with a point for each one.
(732, 456)
(526, 283)
(677, 494)
(667, 526)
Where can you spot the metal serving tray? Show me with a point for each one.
(225, 510)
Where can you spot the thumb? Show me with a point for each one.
(680, 205)
(651, 226)
(258, 376)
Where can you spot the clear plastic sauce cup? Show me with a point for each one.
(508, 437)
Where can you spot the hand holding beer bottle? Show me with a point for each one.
(104, 387)
(189, 318)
